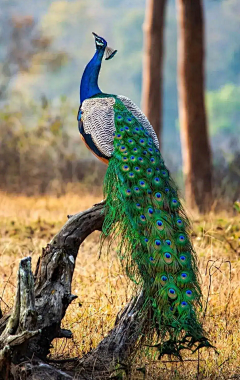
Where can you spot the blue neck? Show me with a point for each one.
(89, 82)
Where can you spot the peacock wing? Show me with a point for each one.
(98, 121)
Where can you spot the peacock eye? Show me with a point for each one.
(168, 242)
(172, 293)
(184, 303)
(157, 242)
(125, 168)
(164, 173)
(181, 237)
(150, 211)
(167, 189)
(168, 255)
(140, 159)
(179, 222)
(188, 292)
(151, 258)
(182, 258)
(128, 192)
(158, 195)
(149, 191)
(159, 223)
(164, 278)
(146, 240)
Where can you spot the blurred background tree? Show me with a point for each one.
(154, 26)
(196, 152)
(52, 72)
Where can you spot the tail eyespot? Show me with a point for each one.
(150, 211)
(163, 280)
(143, 218)
(160, 225)
(142, 183)
(189, 294)
(168, 258)
(119, 118)
(136, 190)
(125, 168)
(183, 258)
(172, 293)
(164, 173)
(175, 203)
(127, 192)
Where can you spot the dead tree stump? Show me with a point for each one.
(40, 304)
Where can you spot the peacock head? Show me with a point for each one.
(101, 44)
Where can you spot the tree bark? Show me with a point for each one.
(153, 62)
(40, 304)
(191, 80)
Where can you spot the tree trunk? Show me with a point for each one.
(40, 304)
(153, 62)
(191, 81)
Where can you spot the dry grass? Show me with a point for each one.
(27, 224)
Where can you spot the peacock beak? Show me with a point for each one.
(95, 35)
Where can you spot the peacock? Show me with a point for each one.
(143, 211)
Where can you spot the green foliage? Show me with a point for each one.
(224, 110)
(237, 206)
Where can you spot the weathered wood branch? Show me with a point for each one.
(41, 303)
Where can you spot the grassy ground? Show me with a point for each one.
(27, 224)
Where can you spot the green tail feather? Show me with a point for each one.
(142, 205)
